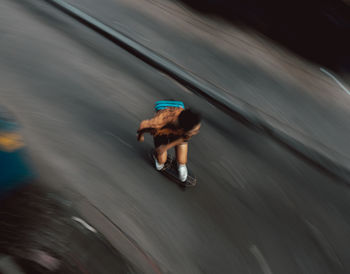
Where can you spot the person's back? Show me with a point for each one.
(172, 126)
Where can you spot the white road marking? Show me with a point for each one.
(120, 139)
(335, 79)
(85, 224)
(324, 243)
(260, 258)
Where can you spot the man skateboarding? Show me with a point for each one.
(172, 126)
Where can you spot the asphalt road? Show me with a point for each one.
(257, 208)
(42, 233)
(290, 93)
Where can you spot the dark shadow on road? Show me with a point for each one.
(37, 231)
(317, 30)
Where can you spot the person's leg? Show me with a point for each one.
(181, 153)
(181, 157)
(159, 159)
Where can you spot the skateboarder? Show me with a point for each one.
(172, 126)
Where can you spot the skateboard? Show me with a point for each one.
(170, 171)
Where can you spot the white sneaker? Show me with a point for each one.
(182, 173)
(158, 166)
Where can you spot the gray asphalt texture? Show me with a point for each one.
(40, 233)
(282, 91)
(257, 208)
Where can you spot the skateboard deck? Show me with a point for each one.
(170, 171)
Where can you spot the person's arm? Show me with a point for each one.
(144, 128)
(192, 132)
(161, 118)
(148, 126)
(140, 137)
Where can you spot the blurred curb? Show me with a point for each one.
(332, 163)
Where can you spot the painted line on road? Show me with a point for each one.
(85, 224)
(148, 257)
(260, 258)
(335, 79)
(119, 139)
(325, 244)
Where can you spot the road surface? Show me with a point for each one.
(257, 207)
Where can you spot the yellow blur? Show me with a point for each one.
(10, 142)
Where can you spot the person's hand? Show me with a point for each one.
(161, 149)
(140, 137)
